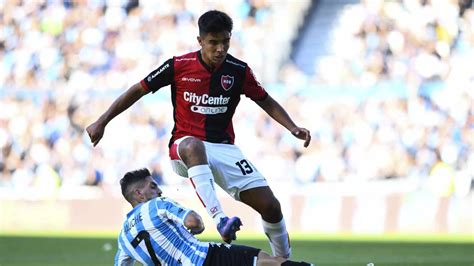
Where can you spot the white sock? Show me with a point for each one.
(278, 237)
(203, 182)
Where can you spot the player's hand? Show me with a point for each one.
(193, 222)
(302, 133)
(200, 226)
(95, 132)
(197, 231)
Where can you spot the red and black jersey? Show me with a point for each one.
(204, 101)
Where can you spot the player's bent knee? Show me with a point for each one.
(192, 151)
(191, 143)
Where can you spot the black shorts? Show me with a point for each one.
(230, 255)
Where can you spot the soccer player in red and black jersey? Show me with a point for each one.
(206, 86)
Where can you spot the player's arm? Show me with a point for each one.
(193, 221)
(158, 78)
(276, 111)
(181, 215)
(254, 90)
(122, 103)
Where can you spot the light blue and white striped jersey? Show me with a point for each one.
(154, 231)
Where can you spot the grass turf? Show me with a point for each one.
(88, 249)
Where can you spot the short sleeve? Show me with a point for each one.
(160, 77)
(252, 88)
(171, 209)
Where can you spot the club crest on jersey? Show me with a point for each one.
(227, 82)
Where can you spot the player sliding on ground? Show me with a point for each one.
(206, 87)
(159, 231)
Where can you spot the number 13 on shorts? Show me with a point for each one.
(232, 171)
(244, 166)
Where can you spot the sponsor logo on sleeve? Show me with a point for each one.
(163, 68)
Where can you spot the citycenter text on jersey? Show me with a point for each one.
(205, 99)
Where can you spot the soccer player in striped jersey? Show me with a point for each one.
(159, 231)
(206, 87)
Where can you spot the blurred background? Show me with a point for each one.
(385, 87)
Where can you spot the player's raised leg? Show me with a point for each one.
(192, 152)
(264, 202)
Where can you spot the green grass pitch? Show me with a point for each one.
(93, 249)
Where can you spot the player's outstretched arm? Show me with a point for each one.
(276, 111)
(194, 223)
(122, 103)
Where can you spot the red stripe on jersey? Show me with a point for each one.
(191, 82)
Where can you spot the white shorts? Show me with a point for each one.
(232, 171)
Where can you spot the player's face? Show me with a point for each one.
(214, 47)
(150, 190)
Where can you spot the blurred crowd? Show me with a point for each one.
(407, 67)
(63, 62)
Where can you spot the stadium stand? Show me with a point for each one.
(391, 97)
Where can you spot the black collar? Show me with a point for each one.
(208, 67)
